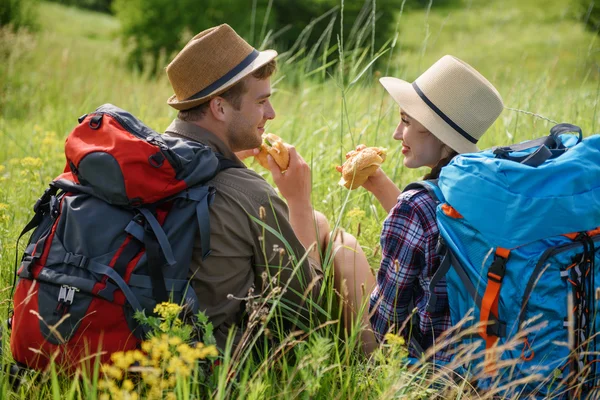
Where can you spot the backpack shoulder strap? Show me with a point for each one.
(432, 188)
(225, 163)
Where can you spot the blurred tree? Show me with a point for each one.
(96, 5)
(590, 11)
(18, 14)
(155, 29)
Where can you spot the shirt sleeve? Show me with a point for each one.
(280, 261)
(402, 243)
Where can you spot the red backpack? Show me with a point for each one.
(113, 235)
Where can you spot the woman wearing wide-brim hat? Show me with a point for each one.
(443, 113)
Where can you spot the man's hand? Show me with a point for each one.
(242, 155)
(295, 183)
(295, 186)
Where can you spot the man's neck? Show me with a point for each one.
(215, 129)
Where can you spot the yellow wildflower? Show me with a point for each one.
(122, 360)
(3, 207)
(138, 355)
(171, 396)
(356, 213)
(394, 339)
(175, 341)
(31, 162)
(175, 365)
(164, 326)
(150, 378)
(167, 310)
(128, 385)
(2, 168)
(113, 372)
(209, 351)
(146, 347)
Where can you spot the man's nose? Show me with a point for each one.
(270, 111)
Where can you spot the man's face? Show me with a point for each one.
(246, 125)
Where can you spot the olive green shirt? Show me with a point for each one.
(240, 244)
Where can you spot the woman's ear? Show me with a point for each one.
(447, 151)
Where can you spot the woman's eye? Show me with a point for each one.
(405, 121)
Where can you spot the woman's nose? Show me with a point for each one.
(398, 132)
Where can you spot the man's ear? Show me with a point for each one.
(217, 107)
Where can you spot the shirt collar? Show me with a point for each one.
(198, 134)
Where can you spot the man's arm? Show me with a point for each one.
(283, 257)
(295, 186)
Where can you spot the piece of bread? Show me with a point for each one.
(360, 164)
(273, 145)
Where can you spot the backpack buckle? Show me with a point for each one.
(43, 200)
(211, 194)
(54, 207)
(497, 270)
(77, 260)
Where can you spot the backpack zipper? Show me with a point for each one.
(154, 139)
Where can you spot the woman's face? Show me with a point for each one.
(419, 146)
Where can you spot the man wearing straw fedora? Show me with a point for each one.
(222, 89)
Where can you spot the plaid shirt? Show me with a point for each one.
(408, 243)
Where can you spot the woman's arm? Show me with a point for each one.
(383, 188)
(402, 241)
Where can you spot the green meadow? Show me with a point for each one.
(537, 53)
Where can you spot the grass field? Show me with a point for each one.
(536, 52)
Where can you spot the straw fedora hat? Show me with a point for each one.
(212, 62)
(452, 100)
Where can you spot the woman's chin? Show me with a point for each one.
(408, 163)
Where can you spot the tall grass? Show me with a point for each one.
(541, 60)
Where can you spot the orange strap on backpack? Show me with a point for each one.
(489, 304)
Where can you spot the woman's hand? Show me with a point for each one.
(375, 181)
(382, 187)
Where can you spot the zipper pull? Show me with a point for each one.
(157, 141)
(62, 294)
(66, 295)
(70, 294)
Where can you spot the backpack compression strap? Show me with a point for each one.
(489, 305)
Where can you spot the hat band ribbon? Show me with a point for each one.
(442, 115)
(225, 78)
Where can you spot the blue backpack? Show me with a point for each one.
(519, 241)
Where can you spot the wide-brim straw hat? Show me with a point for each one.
(210, 63)
(452, 100)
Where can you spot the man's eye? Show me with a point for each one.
(405, 121)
